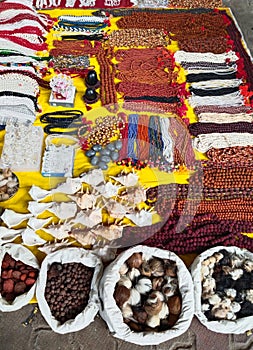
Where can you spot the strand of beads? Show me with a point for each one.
(108, 93)
(235, 154)
(138, 37)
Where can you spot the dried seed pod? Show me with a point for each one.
(174, 303)
(125, 281)
(214, 299)
(135, 260)
(170, 268)
(157, 283)
(127, 311)
(157, 267)
(153, 321)
(153, 305)
(164, 311)
(123, 269)
(121, 295)
(140, 315)
(248, 265)
(133, 274)
(145, 269)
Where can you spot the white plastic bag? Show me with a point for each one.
(63, 256)
(238, 326)
(111, 313)
(18, 252)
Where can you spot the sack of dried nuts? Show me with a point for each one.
(223, 289)
(19, 269)
(67, 289)
(147, 296)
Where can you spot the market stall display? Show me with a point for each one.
(146, 139)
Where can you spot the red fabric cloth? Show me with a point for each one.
(82, 3)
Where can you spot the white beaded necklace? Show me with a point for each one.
(88, 19)
(204, 142)
(223, 118)
(17, 101)
(234, 99)
(183, 56)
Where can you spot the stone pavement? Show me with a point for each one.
(38, 335)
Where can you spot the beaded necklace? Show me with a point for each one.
(235, 154)
(223, 118)
(209, 128)
(108, 93)
(150, 37)
(204, 142)
(132, 135)
(205, 57)
(82, 19)
(143, 137)
(18, 101)
(24, 75)
(232, 99)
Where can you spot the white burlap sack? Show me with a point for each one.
(223, 326)
(18, 252)
(63, 256)
(111, 313)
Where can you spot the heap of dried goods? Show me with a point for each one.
(16, 278)
(67, 289)
(148, 293)
(227, 286)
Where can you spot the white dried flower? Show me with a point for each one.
(123, 269)
(230, 293)
(144, 285)
(135, 297)
(235, 307)
(214, 299)
(125, 281)
(205, 307)
(164, 311)
(127, 311)
(133, 273)
(231, 316)
(236, 274)
(249, 295)
(153, 321)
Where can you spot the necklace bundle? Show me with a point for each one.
(224, 118)
(209, 128)
(69, 63)
(135, 37)
(77, 48)
(204, 142)
(108, 93)
(236, 154)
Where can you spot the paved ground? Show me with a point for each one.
(38, 335)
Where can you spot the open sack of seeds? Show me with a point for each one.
(147, 296)
(19, 269)
(67, 290)
(223, 289)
